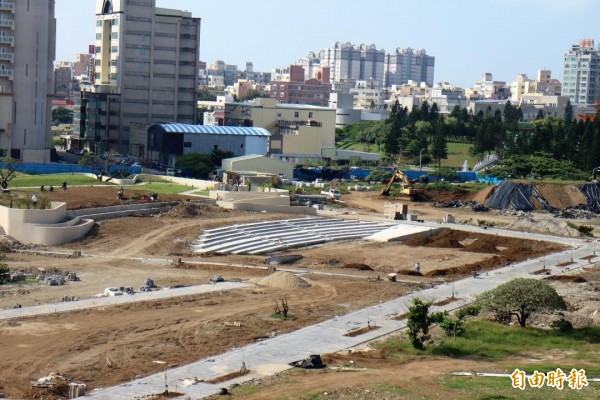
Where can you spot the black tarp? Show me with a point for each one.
(590, 190)
(517, 196)
(312, 362)
(511, 195)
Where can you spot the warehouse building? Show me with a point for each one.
(168, 142)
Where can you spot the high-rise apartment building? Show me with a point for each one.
(408, 65)
(145, 72)
(27, 51)
(349, 62)
(581, 77)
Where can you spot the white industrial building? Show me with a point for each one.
(167, 142)
(260, 164)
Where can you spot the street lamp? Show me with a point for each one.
(420, 154)
(166, 367)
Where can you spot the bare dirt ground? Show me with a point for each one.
(107, 346)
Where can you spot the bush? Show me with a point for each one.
(442, 186)
(562, 325)
(379, 175)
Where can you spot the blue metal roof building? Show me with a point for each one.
(168, 141)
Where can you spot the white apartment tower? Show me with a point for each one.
(581, 78)
(27, 52)
(145, 72)
(408, 65)
(347, 61)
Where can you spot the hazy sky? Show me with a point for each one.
(467, 37)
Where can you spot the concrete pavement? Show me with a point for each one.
(272, 355)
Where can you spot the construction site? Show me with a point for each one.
(347, 258)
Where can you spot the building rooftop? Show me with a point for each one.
(214, 130)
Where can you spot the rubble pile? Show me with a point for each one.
(457, 203)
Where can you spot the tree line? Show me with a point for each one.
(548, 144)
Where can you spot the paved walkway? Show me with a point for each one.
(117, 300)
(270, 356)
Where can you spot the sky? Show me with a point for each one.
(466, 37)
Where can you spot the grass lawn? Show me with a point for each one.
(25, 180)
(457, 154)
(162, 188)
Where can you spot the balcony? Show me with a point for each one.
(7, 39)
(7, 6)
(6, 73)
(7, 23)
(7, 56)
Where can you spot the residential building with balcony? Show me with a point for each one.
(27, 52)
(405, 65)
(581, 74)
(145, 72)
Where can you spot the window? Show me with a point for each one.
(98, 49)
(115, 49)
(296, 114)
(216, 147)
(242, 146)
(187, 144)
(99, 23)
(310, 115)
(98, 36)
(114, 35)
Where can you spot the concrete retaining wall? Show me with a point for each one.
(259, 207)
(43, 226)
(103, 213)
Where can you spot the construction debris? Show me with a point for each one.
(216, 278)
(312, 362)
(148, 286)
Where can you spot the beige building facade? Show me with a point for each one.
(27, 52)
(145, 72)
(297, 131)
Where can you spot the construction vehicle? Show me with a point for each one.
(407, 189)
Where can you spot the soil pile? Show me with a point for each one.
(282, 280)
(191, 210)
(482, 246)
(445, 239)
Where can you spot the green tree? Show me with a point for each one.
(62, 115)
(439, 145)
(445, 173)
(9, 171)
(99, 166)
(195, 164)
(455, 326)
(521, 297)
(419, 321)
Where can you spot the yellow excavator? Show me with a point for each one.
(407, 189)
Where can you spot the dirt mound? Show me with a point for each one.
(358, 266)
(562, 196)
(191, 210)
(444, 239)
(441, 195)
(482, 246)
(481, 196)
(417, 241)
(567, 278)
(282, 280)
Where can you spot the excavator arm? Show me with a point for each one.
(396, 175)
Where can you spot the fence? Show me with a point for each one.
(45, 169)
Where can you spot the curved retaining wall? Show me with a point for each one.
(43, 226)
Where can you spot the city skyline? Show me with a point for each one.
(504, 37)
